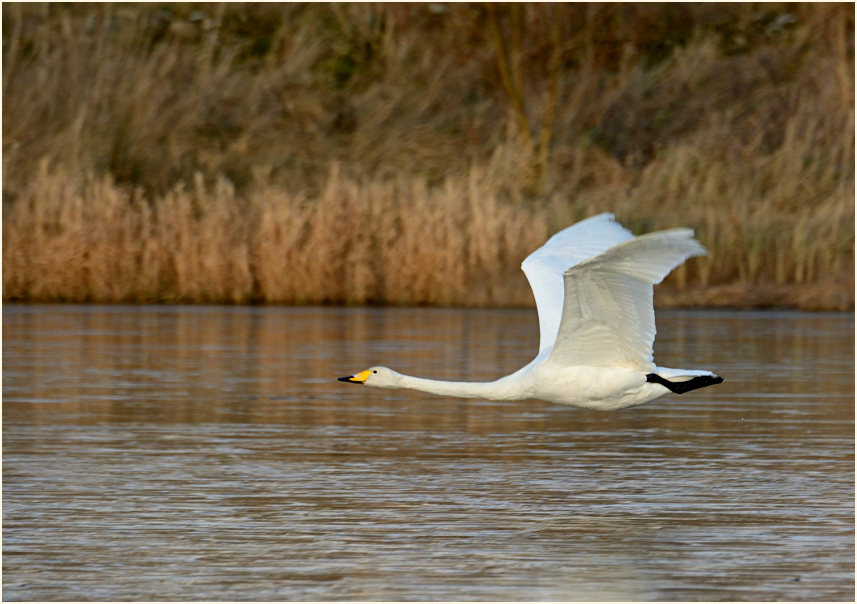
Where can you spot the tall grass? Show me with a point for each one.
(347, 154)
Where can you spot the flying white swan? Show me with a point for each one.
(593, 288)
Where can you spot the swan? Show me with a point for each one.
(592, 283)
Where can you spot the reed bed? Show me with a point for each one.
(343, 154)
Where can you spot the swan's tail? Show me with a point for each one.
(680, 381)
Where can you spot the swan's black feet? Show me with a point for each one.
(699, 381)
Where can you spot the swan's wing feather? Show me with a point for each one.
(544, 268)
(607, 317)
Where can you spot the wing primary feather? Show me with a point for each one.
(648, 257)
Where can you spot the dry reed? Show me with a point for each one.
(342, 153)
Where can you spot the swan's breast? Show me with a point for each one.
(593, 387)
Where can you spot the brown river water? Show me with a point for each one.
(208, 453)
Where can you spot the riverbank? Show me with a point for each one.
(341, 154)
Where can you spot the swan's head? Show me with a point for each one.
(377, 377)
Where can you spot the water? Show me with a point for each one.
(208, 453)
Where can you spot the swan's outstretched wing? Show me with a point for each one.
(607, 315)
(544, 268)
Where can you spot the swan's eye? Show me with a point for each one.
(375, 371)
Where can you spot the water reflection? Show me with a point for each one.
(207, 452)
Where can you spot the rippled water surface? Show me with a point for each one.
(164, 453)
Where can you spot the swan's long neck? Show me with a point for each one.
(497, 390)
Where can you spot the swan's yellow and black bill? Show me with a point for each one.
(357, 378)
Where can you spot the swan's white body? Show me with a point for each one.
(593, 286)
